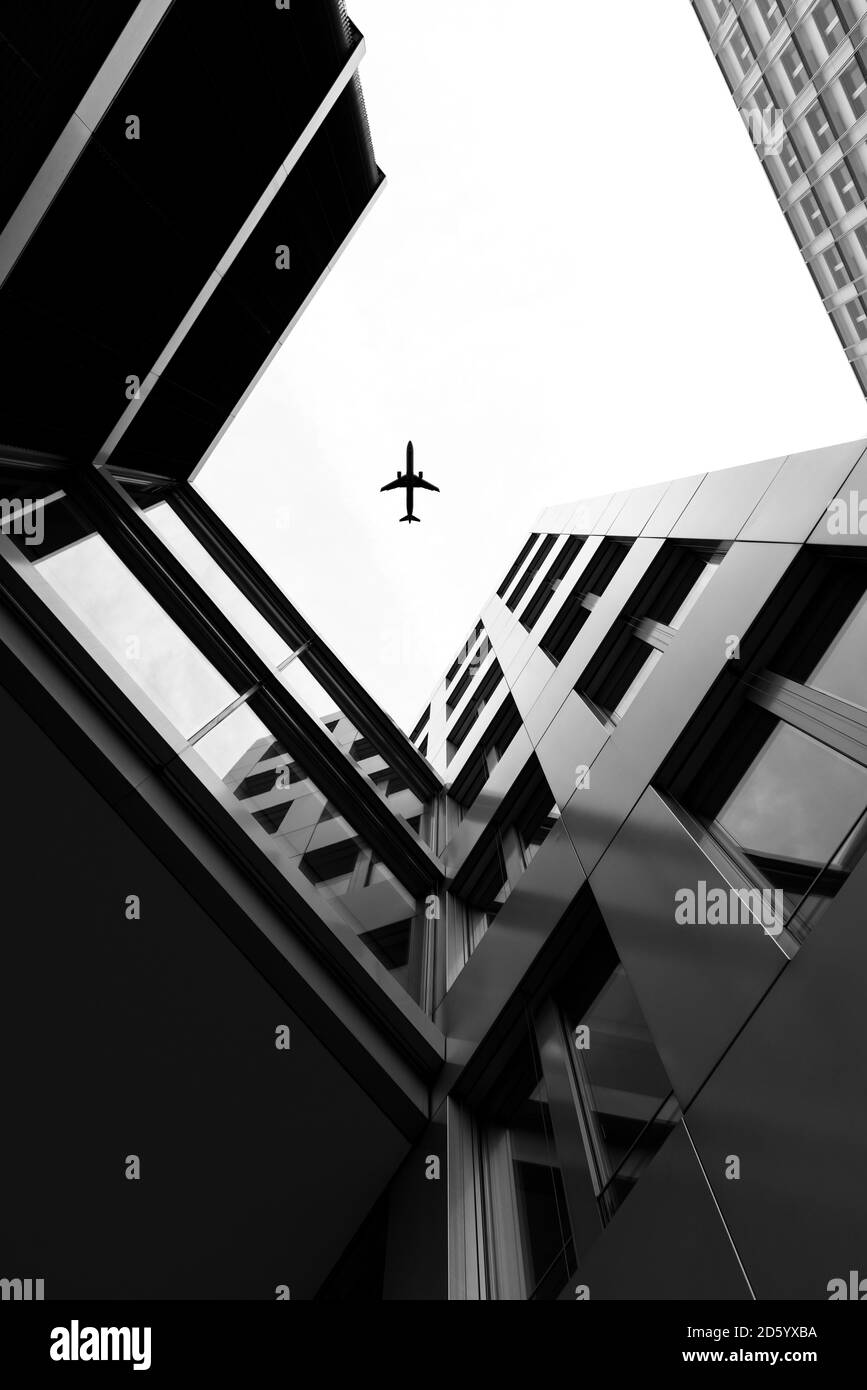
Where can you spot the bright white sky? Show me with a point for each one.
(576, 280)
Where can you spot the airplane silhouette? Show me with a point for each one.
(409, 480)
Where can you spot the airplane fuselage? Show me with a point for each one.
(409, 481)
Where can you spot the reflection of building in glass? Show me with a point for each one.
(309, 834)
(798, 74)
(420, 1014)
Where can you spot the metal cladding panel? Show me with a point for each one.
(697, 984)
(531, 681)
(571, 740)
(724, 502)
(845, 523)
(509, 947)
(676, 498)
(637, 509)
(667, 1241)
(788, 1101)
(797, 500)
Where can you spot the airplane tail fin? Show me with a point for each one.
(410, 518)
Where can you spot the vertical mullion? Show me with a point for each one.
(570, 1137)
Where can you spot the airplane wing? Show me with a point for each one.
(422, 482)
(398, 482)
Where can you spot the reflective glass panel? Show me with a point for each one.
(694, 594)
(128, 622)
(626, 1084)
(216, 583)
(797, 800)
(842, 671)
(307, 832)
(520, 1147)
(642, 676)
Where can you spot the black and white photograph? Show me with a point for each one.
(433, 673)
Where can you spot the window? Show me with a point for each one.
(422, 723)
(484, 893)
(842, 670)
(844, 183)
(793, 65)
(491, 750)
(743, 54)
(588, 589)
(854, 84)
(711, 13)
(624, 1093)
(637, 641)
(518, 563)
(569, 1120)
(533, 1253)
(474, 709)
(551, 582)
(391, 946)
(858, 242)
(479, 657)
(819, 126)
(771, 13)
(786, 167)
(136, 634)
(361, 748)
(388, 782)
(531, 571)
(462, 655)
(807, 218)
(836, 267)
(525, 819)
(797, 799)
(782, 791)
(829, 24)
(856, 311)
(178, 537)
(306, 832)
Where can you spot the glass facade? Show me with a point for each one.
(571, 1122)
(225, 725)
(133, 630)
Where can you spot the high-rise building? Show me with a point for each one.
(798, 75)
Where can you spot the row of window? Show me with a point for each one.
(521, 823)
(817, 36)
(782, 791)
(716, 12)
